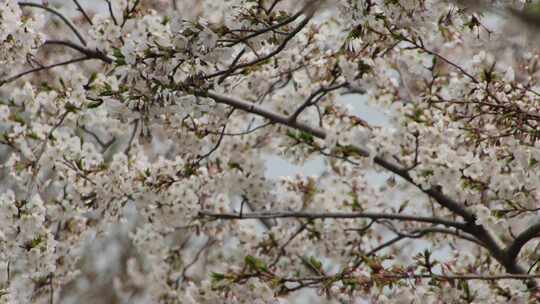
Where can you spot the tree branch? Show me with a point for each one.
(421, 232)
(314, 98)
(80, 9)
(471, 227)
(331, 215)
(530, 233)
(280, 48)
(90, 53)
(256, 109)
(59, 15)
(111, 13)
(464, 277)
(268, 29)
(41, 68)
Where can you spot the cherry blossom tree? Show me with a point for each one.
(134, 136)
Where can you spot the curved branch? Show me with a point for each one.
(530, 233)
(442, 199)
(59, 15)
(90, 53)
(420, 233)
(314, 98)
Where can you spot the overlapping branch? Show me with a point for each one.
(478, 231)
(276, 51)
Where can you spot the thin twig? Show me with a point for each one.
(58, 14)
(111, 13)
(132, 137)
(89, 53)
(267, 56)
(104, 145)
(234, 62)
(128, 12)
(80, 9)
(314, 98)
(41, 68)
(464, 277)
(268, 29)
(207, 245)
(331, 215)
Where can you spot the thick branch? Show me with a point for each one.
(513, 249)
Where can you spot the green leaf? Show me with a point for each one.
(107, 91)
(120, 59)
(71, 108)
(94, 104)
(350, 150)
(315, 263)
(306, 137)
(233, 165)
(20, 166)
(18, 118)
(166, 19)
(189, 170)
(4, 137)
(33, 135)
(301, 136)
(93, 78)
(255, 264)
(217, 277)
(403, 206)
